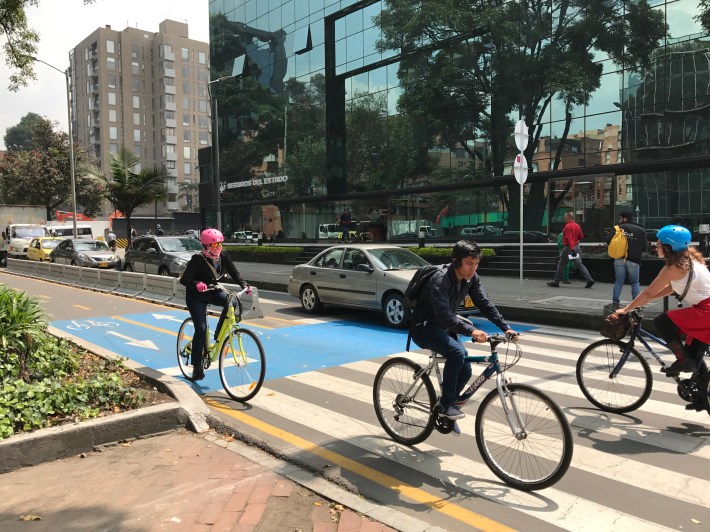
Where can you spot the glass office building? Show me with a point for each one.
(404, 112)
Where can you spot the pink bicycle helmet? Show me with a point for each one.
(211, 240)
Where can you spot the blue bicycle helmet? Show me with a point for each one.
(675, 236)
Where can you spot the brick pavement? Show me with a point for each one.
(175, 481)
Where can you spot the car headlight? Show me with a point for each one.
(83, 257)
(179, 262)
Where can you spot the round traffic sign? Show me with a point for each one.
(521, 135)
(520, 168)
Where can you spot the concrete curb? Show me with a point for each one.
(53, 443)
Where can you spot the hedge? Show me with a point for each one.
(265, 249)
(432, 252)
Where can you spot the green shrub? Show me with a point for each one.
(42, 379)
(265, 249)
(440, 252)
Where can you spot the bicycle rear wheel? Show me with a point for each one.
(242, 365)
(538, 454)
(184, 347)
(628, 390)
(406, 416)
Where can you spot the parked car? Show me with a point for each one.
(479, 231)
(83, 252)
(244, 236)
(162, 255)
(367, 276)
(40, 248)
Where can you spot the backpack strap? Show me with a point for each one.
(691, 274)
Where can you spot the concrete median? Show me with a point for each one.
(131, 284)
(158, 288)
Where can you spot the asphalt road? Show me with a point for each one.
(641, 471)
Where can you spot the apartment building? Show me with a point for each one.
(146, 91)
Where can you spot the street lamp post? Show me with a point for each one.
(71, 139)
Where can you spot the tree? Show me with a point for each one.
(128, 189)
(704, 16)
(20, 41)
(36, 169)
(21, 136)
(490, 62)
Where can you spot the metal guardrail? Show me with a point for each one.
(155, 288)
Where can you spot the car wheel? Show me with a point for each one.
(163, 271)
(309, 299)
(128, 268)
(393, 309)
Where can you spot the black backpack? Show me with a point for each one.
(413, 292)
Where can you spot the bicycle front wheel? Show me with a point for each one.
(242, 365)
(536, 454)
(404, 405)
(184, 347)
(627, 390)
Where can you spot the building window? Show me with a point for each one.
(202, 122)
(186, 152)
(134, 51)
(201, 89)
(186, 135)
(186, 119)
(110, 47)
(136, 135)
(136, 102)
(111, 81)
(113, 148)
(135, 69)
(136, 119)
(185, 103)
(203, 137)
(201, 74)
(169, 82)
(185, 71)
(202, 106)
(112, 115)
(186, 87)
(170, 165)
(136, 85)
(202, 58)
(113, 133)
(187, 168)
(111, 63)
(185, 54)
(112, 98)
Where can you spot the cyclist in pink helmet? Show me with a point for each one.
(200, 277)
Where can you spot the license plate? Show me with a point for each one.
(468, 302)
(103, 264)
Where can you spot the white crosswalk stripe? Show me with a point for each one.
(550, 365)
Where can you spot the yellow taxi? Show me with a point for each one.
(40, 248)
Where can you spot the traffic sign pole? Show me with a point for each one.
(520, 170)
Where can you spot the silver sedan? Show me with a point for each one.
(367, 276)
(89, 253)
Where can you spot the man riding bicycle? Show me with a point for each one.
(436, 326)
(203, 272)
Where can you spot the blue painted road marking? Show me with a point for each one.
(150, 339)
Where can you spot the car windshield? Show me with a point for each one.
(94, 245)
(49, 244)
(174, 245)
(28, 232)
(397, 259)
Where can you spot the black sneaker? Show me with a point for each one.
(553, 284)
(589, 284)
(678, 367)
(197, 375)
(566, 282)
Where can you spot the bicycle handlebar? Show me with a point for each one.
(220, 286)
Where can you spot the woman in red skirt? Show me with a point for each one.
(693, 321)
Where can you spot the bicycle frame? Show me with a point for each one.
(226, 330)
(638, 332)
(513, 418)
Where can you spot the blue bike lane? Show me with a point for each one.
(150, 340)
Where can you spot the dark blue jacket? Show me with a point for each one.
(442, 296)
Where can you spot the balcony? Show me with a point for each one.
(172, 172)
(170, 106)
(170, 89)
(170, 139)
(171, 156)
(170, 122)
(169, 72)
(170, 56)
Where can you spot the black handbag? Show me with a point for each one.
(616, 326)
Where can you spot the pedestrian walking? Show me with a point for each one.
(159, 230)
(345, 220)
(571, 235)
(568, 268)
(629, 268)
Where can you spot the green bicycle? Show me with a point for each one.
(242, 363)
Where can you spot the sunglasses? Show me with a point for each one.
(212, 245)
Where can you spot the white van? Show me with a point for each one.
(328, 231)
(67, 231)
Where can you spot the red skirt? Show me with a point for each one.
(693, 321)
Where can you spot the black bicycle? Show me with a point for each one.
(522, 435)
(614, 376)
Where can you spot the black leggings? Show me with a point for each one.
(671, 333)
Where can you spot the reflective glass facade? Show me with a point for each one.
(404, 111)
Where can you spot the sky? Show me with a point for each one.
(62, 24)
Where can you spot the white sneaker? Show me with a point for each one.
(456, 430)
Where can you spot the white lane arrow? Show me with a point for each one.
(166, 317)
(132, 341)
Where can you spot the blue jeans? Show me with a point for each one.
(457, 372)
(198, 313)
(625, 270)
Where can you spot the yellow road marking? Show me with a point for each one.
(407, 490)
(282, 319)
(152, 327)
(81, 307)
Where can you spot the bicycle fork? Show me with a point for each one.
(512, 414)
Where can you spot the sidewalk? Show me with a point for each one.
(175, 481)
